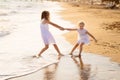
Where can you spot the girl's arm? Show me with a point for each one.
(91, 36)
(55, 25)
(70, 29)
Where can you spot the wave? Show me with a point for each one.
(28, 66)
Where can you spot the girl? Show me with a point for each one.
(83, 37)
(45, 33)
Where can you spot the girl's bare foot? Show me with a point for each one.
(60, 55)
(36, 56)
(78, 56)
(71, 54)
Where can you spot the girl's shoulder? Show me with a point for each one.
(44, 21)
(81, 30)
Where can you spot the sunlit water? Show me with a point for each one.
(20, 39)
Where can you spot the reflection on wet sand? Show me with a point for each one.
(49, 73)
(74, 69)
(68, 69)
(83, 68)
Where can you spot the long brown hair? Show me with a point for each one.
(45, 15)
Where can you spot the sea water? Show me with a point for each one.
(20, 37)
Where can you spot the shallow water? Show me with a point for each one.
(20, 39)
(85, 68)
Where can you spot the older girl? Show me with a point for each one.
(46, 34)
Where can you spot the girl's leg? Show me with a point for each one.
(57, 49)
(45, 48)
(76, 45)
(80, 49)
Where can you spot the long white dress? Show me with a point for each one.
(83, 36)
(46, 35)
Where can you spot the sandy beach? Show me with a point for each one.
(22, 41)
(103, 23)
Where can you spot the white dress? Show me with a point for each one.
(83, 36)
(46, 35)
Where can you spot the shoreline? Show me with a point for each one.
(31, 73)
(72, 68)
(108, 40)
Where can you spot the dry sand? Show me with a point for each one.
(104, 24)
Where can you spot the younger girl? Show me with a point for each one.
(83, 37)
(45, 33)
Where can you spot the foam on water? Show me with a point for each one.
(24, 39)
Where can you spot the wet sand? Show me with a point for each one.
(89, 67)
(92, 68)
(20, 37)
(104, 24)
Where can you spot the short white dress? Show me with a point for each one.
(83, 36)
(46, 35)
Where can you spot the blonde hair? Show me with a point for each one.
(81, 22)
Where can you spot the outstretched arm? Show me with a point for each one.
(91, 36)
(70, 29)
(55, 25)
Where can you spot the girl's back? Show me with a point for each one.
(44, 26)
